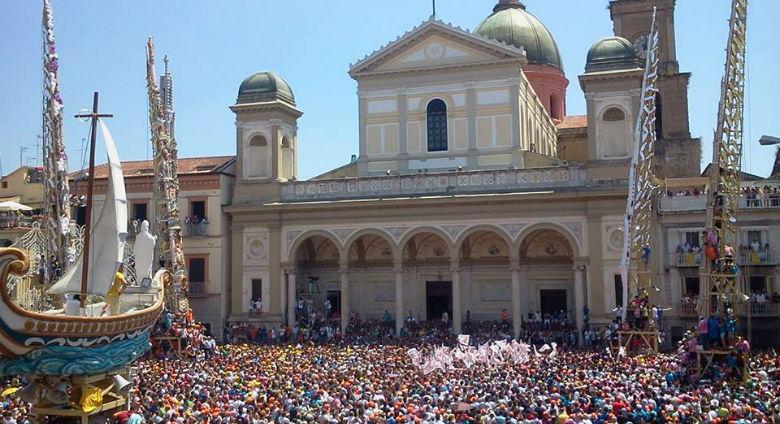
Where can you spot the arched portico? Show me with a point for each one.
(548, 262)
(368, 252)
(314, 266)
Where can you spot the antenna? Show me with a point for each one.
(434, 8)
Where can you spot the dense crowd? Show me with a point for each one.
(367, 376)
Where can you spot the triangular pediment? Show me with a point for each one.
(433, 45)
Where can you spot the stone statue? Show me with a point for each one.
(143, 248)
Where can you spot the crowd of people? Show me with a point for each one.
(366, 376)
(761, 196)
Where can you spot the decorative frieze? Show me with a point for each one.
(440, 183)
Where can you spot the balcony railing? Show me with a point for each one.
(445, 183)
(196, 288)
(760, 310)
(758, 201)
(763, 257)
(684, 259)
(698, 203)
(687, 310)
(196, 229)
(16, 222)
(683, 203)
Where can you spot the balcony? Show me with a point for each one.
(760, 201)
(199, 229)
(699, 203)
(760, 258)
(690, 259)
(760, 310)
(687, 310)
(425, 184)
(12, 221)
(682, 203)
(197, 288)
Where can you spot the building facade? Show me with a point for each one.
(205, 184)
(473, 191)
(24, 185)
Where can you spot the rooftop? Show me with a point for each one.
(145, 168)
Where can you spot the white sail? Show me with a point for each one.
(107, 240)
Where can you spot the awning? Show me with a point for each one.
(13, 206)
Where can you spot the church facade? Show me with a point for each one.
(473, 191)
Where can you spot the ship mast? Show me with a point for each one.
(635, 263)
(58, 246)
(723, 193)
(166, 180)
(94, 116)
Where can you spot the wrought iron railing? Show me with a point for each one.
(684, 259)
(762, 257)
(196, 287)
(687, 310)
(197, 229)
(760, 310)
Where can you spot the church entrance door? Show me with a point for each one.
(553, 301)
(438, 299)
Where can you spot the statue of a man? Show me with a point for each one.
(143, 248)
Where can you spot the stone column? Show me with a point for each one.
(457, 316)
(291, 295)
(517, 310)
(403, 149)
(344, 270)
(282, 292)
(579, 299)
(471, 115)
(276, 147)
(398, 268)
(525, 289)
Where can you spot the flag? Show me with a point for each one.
(91, 399)
(464, 340)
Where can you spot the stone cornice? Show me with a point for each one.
(433, 25)
(438, 69)
(266, 107)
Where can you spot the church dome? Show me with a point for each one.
(512, 24)
(264, 87)
(611, 54)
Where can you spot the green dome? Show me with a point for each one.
(611, 54)
(264, 87)
(511, 24)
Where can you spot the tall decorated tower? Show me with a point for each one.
(267, 134)
(60, 250)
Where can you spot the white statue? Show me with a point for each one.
(143, 248)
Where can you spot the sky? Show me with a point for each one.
(213, 45)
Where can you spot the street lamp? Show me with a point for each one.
(769, 140)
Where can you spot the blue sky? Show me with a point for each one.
(214, 45)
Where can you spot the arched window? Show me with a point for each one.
(555, 107)
(437, 126)
(614, 133)
(287, 170)
(257, 158)
(613, 115)
(258, 141)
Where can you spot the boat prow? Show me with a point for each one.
(37, 343)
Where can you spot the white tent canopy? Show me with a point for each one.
(8, 206)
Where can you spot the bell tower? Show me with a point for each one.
(267, 126)
(680, 154)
